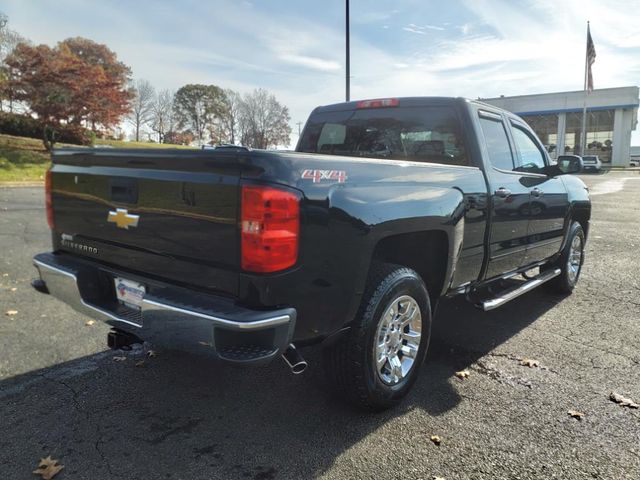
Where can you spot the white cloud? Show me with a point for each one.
(421, 29)
(413, 30)
(311, 62)
(369, 17)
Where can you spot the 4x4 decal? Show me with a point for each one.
(319, 175)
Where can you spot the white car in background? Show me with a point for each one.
(591, 163)
(634, 162)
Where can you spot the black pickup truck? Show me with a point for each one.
(350, 241)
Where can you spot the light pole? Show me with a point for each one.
(348, 66)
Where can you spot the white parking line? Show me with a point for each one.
(610, 186)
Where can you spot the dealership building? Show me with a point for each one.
(612, 114)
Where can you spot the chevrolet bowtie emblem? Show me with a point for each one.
(122, 219)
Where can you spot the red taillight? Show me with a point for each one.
(270, 228)
(378, 103)
(47, 199)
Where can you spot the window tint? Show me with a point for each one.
(497, 143)
(419, 134)
(531, 158)
(332, 134)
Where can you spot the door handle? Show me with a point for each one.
(536, 192)
(503, 192)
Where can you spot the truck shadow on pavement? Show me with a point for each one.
(171, 417)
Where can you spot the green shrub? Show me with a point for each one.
(18, 157)
(5, 164)
(74, 134)
(20, 125)
(27, 126)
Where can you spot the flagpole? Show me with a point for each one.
(583, 138)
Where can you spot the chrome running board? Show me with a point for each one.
(515, 292)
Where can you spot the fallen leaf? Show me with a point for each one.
(462, 374)
(11, 313)
(623, 401)
(48, 468)
(437, 478)
(88, 323)
(151, 354)
(139, 363)
(119, 359)
(5, 274)
(576, 414)
(436, 439)
(13, 289)
(529, 362)
(206, 344)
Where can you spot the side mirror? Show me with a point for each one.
(570, 165)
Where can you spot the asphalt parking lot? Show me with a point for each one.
(62, 394)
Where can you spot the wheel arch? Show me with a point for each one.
(426, 252)
(582, 215)
(578, 212)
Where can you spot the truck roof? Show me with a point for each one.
(404, 101)
(412, 102)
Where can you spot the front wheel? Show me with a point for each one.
(375, 365)
(570, 261)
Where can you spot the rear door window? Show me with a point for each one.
(497, 142)
(421, 134)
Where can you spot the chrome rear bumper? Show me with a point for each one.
(171, 316)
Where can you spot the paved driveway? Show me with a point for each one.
(62, 394)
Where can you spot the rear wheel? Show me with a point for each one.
(570, 261)
(375, 365)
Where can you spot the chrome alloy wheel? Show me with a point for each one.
(574, 260)
(398, 339)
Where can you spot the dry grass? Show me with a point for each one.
(25, 159)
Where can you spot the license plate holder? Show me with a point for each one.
(129, 293)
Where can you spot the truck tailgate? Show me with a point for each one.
(172, 214)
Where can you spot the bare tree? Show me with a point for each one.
(9, 39)
(142, 106)
(263, 121)
(230, 118)
(163, 119)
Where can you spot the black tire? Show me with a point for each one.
(566, 282)
(350, 364)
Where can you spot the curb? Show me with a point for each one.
(21, 184)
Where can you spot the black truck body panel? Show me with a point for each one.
(188, 203)
(195, 244)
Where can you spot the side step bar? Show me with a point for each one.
(515, 292)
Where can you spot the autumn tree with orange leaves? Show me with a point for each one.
(76, 84)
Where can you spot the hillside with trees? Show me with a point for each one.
(79, 92)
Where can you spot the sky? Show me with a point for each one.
(295, 49)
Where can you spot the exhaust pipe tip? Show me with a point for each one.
(299, 367)
(292, 357)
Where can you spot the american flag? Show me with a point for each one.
(591, 58)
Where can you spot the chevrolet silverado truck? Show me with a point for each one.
(385, 207)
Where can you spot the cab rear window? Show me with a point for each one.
(419, 134)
